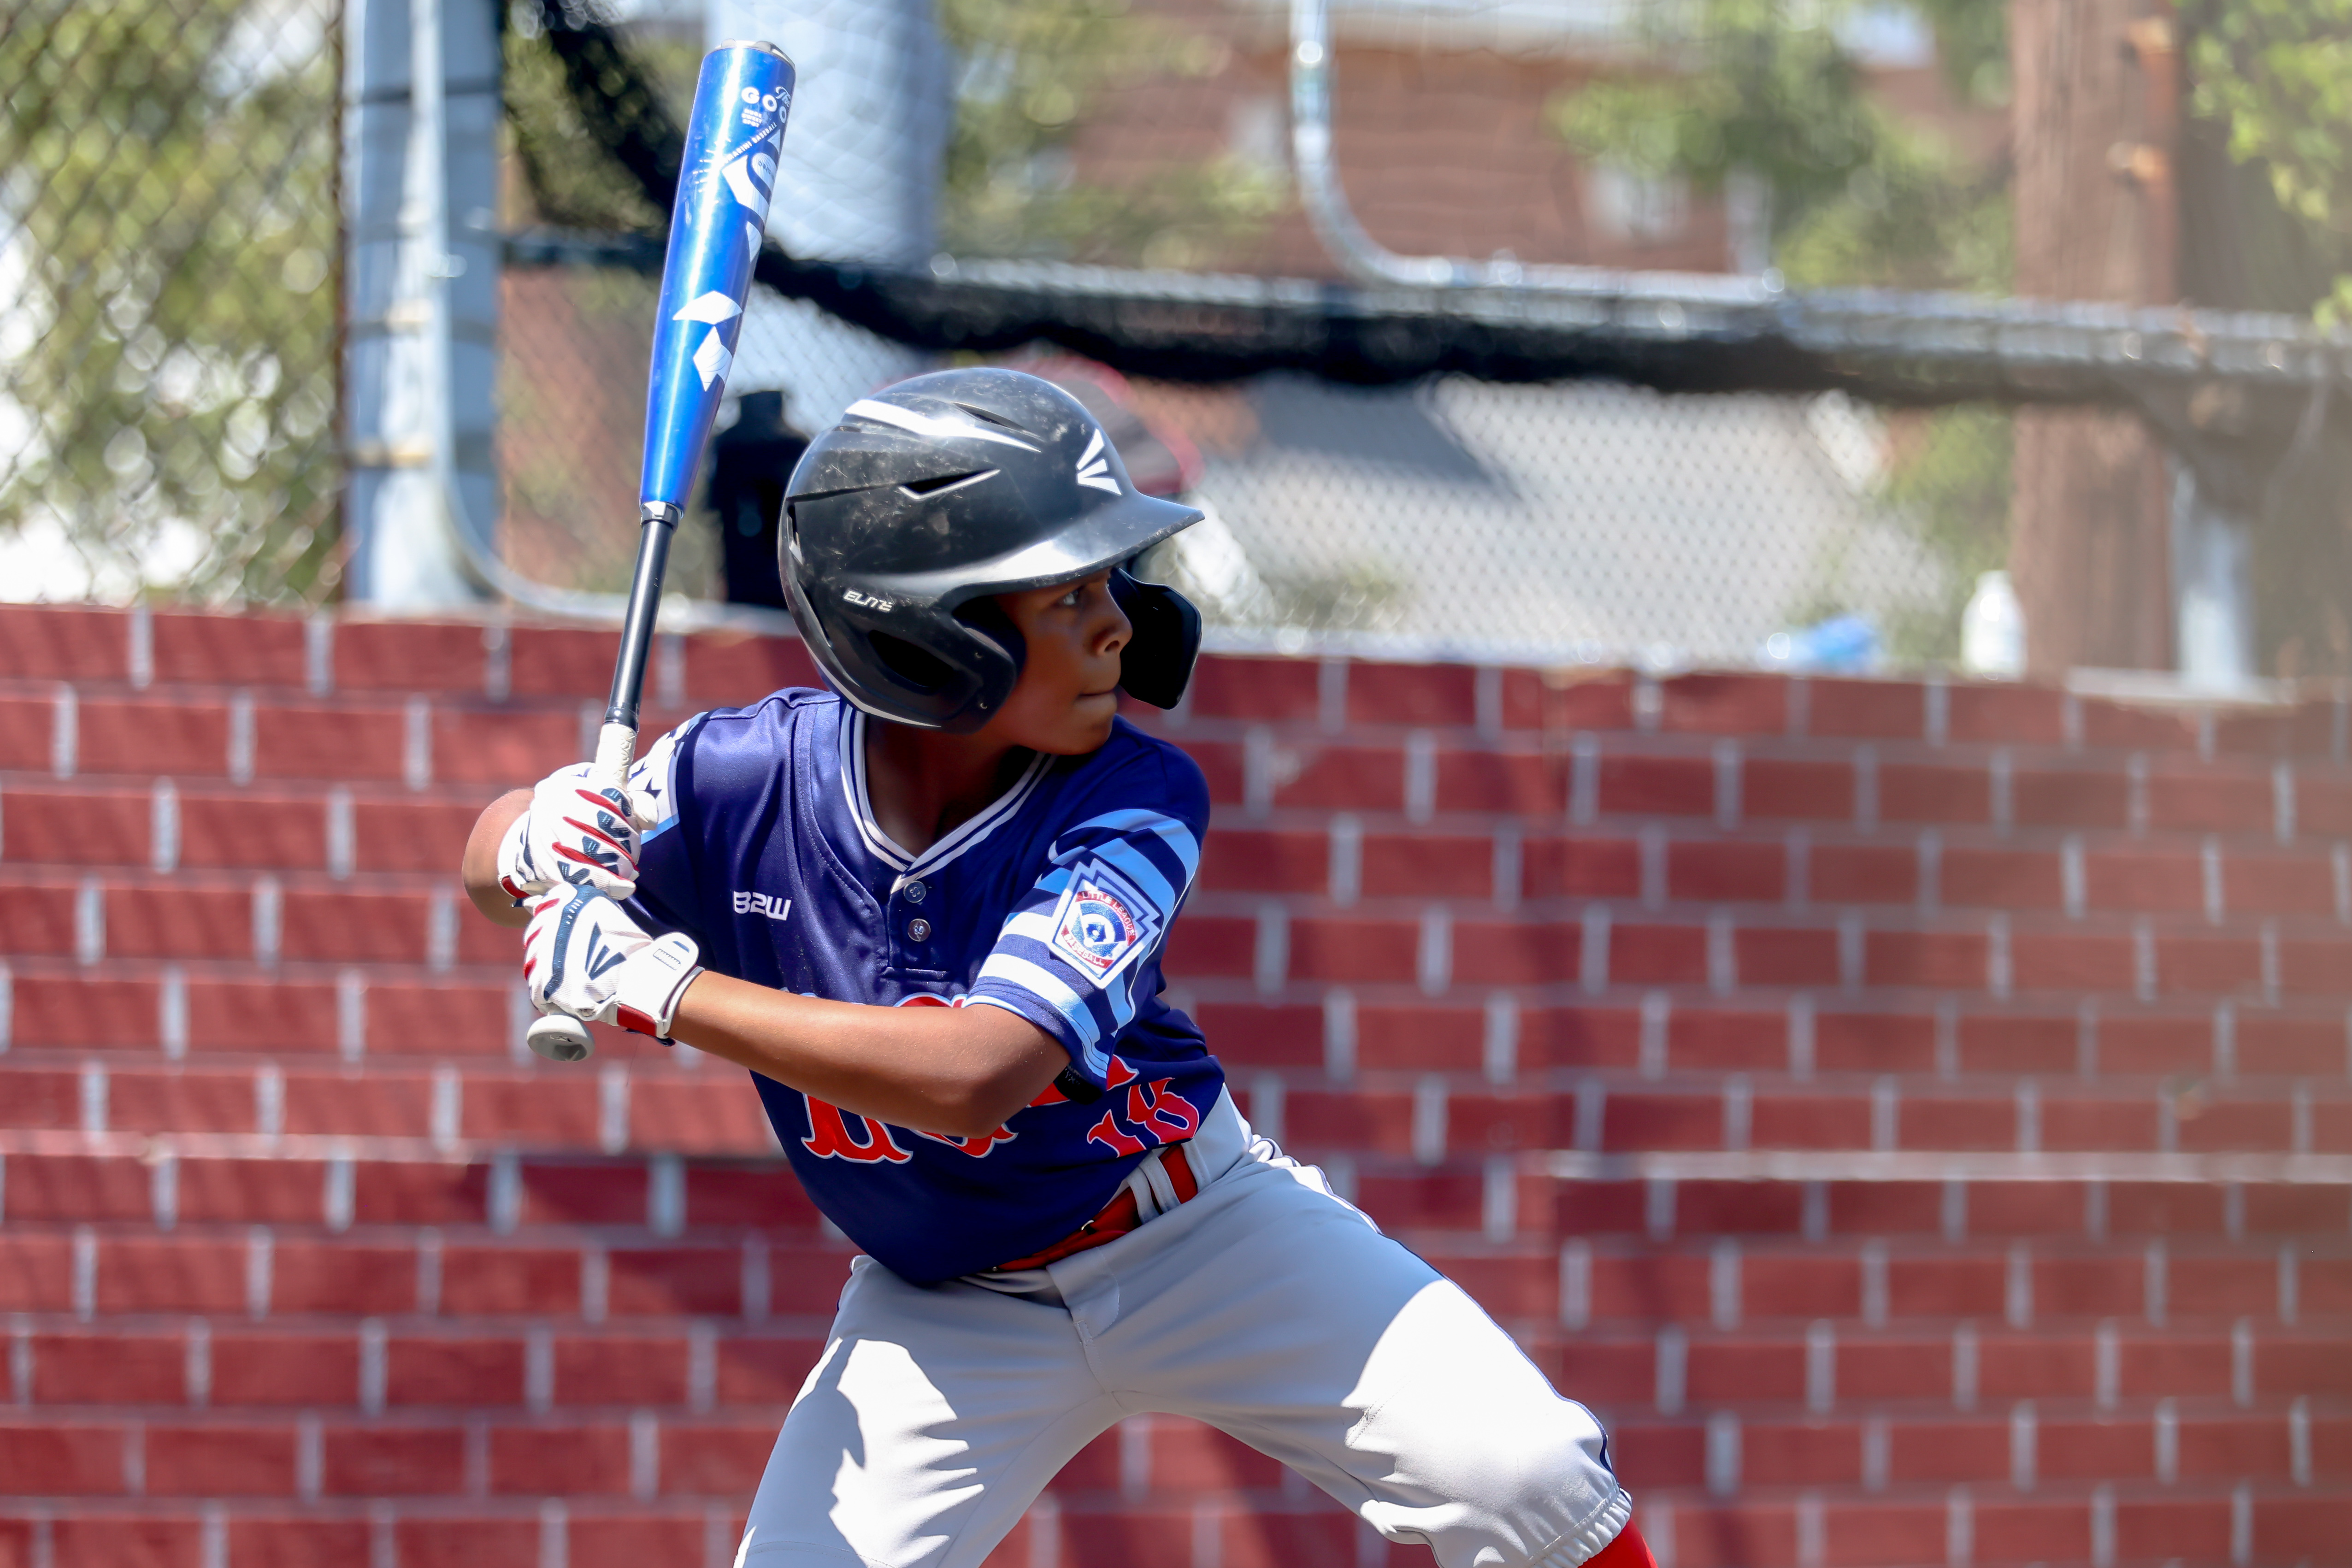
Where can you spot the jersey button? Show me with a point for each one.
(915, 892)
(919, 929)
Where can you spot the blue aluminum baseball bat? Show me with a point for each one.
(732, 142)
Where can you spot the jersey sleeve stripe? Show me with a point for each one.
(1123, 857)
(1174, 834)
(1046, 986)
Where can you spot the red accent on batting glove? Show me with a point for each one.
(1627, 1551)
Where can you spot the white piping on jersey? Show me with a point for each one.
(966, 833)
(937, 426)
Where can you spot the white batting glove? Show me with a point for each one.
(575, 833)
(583, 955)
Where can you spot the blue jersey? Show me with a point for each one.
(1054, 903)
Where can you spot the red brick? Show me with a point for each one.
(2089, 1124)
(574, 1192)
(55, 1459)
(147, 1100)
(2025, 1208)
(2156, 1366)
(75, 1187)
(1893, 1369)
(1564, 699)
(2208, 965)
(1424, 1200)
(764, 1371)
(244, 1015)
(37, 919)
(1187, 1455)
(1641, 954)
(501, 746)
(1799, 1285)
(72, 1010)
(1865, 874)
(1634, 1120)
(127, 1541)
(1934, 793)
(1246, 1034)
(296, 1542)
(1364, 1121)
(149, 1274)
(1808, 1120)
(452, 1371)
(504, 1280)
(2047, 959)
(243, 650)
(427, 835)
(1724, 1039)
(2070, 797)
(1945, 1286)
(603, 1541)
(117, 1368)
(1579, 868)
(252, 831)
(1789, 789)
(1576, 1036)
(2314, 966)
(440, 1541)
(733, 671)
(2017, 1042)
(350, 927)
(558, 1112)
(410, 656)
(1975, 876)
(1637, 785)
(2005, 715)
(2291, 1211)
(1939, 958)
(2222, 1287)
(1224, 687)
(2152, 1043)
(2299, 1526)
(308, 740)
(1792, 1453)
(321, 1277)
(1734, 1535)
(1341, 777)
(1524, 783)
(75, 826)
(1726, 704)
(1358, 949)
(551, 662)
(1738, 1208)
(35, 1273)
(1785, 955)
(2234, 1445)
(1522, 953)
(2040, 1365)
(27, 728)
(2280, 884)
(2213, 799)
(269, 1192)
(1874, 1042)
(2291, 1364)
(1492, 1124)
(612, 1370)
(393, 1462)
(1743, 1371)
(1866, 710)
(2323, 802)
(1652, 1455)
(716, 1118)
(1947, 1450)
(280, 1368)
(1509, 1287)
(1415, 1039)
(1221, 764)
(706, 1281)
(167, 920)
(243, 1460)
(1440, 695)
(1593, 1208)
(2091, 1450)
(2113, 726)
(2237, 1126)
(1207, 945)
(1140, 1535)
(151, 737)
(2088, 1285)
(559, 1461)
(1866, 1534)
(1428, 865)
(1708, 870)
(1289, 862)
(715, 1458)
(1885, 1208)
(62, 642)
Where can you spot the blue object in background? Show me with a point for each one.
(724, 186)
(1843, 644)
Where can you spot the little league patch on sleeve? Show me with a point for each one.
(1102, 922)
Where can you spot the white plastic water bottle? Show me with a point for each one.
(1992, 630)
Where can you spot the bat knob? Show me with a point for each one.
(560, 1039)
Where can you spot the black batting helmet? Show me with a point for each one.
(927, 499)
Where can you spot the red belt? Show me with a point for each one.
(1117, 1217)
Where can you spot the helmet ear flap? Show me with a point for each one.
(1157, 663)
(986, 616)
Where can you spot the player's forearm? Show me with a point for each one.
(956, 1071)
(479, 865)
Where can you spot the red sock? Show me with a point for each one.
(1627, 1551)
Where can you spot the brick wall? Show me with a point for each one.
(1916, 1116)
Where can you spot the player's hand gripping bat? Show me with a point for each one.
(732, 142)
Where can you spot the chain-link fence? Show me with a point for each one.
(1697, 492)
(169, 252)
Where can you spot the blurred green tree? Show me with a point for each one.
(168, 343)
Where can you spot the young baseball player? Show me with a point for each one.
(927, 909)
